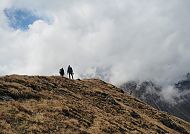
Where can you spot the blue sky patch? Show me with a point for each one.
(21, 18)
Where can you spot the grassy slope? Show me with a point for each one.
(38, 104)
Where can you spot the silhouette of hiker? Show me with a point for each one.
(61, 71)
(70, 72)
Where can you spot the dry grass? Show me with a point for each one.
(38, 104)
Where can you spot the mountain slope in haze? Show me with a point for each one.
(153, 95)
(39, 104)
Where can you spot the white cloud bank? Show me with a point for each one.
(133, 39)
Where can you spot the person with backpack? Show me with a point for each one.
(70, 72)
(61, 72)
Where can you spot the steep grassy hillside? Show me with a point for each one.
(38, 104)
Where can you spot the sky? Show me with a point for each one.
(117, 40)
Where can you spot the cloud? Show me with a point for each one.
(170, 94)
(139, 39)
(173, 95)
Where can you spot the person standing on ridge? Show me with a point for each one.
(70, 72)
(61, 71)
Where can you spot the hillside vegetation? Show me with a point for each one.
(52, 104)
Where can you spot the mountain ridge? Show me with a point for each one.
(175, 103)
(52, 104)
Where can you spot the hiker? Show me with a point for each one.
(70, 72)
(61, 71)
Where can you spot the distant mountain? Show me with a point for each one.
(56, 105)
(153, 95)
